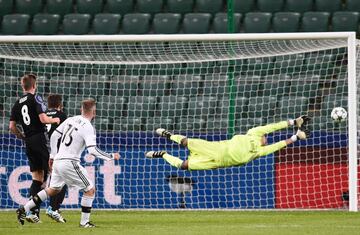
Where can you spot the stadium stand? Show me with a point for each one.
(45, 24)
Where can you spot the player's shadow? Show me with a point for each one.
(181, 186)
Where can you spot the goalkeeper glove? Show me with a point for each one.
(301, 134)
(301, 121)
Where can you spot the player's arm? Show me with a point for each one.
(13, 127)
(90, 141)
(45, 119)
(15, 130)
(54, 139)
(40, 110)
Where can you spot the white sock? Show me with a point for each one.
(42, 195)
(86, 204)
(291, 122)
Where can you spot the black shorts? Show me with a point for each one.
(37, 152)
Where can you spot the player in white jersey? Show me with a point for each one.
(76, 134)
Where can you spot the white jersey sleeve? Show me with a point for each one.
(90, 142)
(54, 139)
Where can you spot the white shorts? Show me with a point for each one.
(70, 173)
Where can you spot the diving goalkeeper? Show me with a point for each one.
(239, 150)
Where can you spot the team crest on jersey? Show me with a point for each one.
(40, 101)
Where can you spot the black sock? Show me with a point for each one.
(34, 189)
(56, 200)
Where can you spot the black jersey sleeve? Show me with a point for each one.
(13, 113)
(40, 105)
(62, 117)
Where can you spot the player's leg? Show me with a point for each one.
(172, 160)
(55, 201)
(86, 205)
(180, 139)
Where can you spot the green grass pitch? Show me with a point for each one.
(192, 222)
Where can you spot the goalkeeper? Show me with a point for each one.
(239, 150)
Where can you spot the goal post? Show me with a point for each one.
(203, 86)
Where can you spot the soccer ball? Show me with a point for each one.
(338, 114)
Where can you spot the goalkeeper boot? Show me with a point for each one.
(55, 215)
(21, 215)
(163, 133)
(302, 133)
(155, 154)
(301, 121)
(32, 218)
(87, 225)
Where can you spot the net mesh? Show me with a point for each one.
(185, 88)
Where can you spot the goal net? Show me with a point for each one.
(209, 87)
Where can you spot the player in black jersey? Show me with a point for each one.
(55, 109)
(29, 111)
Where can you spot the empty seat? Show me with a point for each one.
(156, 122)
(89, 6)
(8, 86)
(288, 64)
(286, 22)
(141, 106)
(102, 124)
(110, 106)
(329, 6)
(136, 23)
(124, 85)
(186, 85)
(76, 24)
(155, 85)
(149, 6)
(245, 124)
(292, 106)
(241, 106)
(67, 85)
(299, 6)
(262, 106)
(106, 23)
(202, 106)
(127, 124)
(180, 6)
(345, 21)
(217, 124)
(315, 21)
(15, 24)
(190, 124)
(243, 6)
(94, 85)
(196, 23)
(220, 24)
(247, 89)
(172, 106)
(270, 5)
(209, 6)
(121, 7)
(166, 23)
(30, 7)
(59, 7)
(353, 5)
(45, 24)
(276, 88)
(257, 22)
(215, 87)
(305, 88)
(8, 104)
(6, 7)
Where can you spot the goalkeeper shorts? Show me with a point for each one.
(204, 155)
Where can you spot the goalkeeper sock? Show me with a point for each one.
(36, 200)
(174, 161)
(177, 138)
(86, 204)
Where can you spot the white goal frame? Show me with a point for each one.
(352, 85)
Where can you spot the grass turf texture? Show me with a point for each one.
(191, 222)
